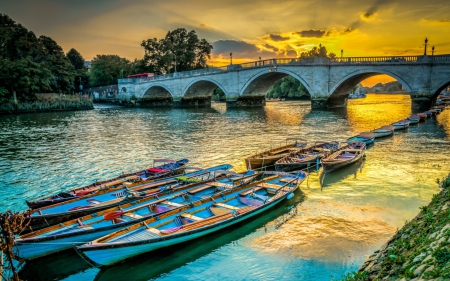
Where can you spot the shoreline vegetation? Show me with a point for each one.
(48, 103)
(420, 250)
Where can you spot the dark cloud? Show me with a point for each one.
(277, 37)
(313, 33)
(233, 46)
(290, 54)
(270, 47)
(369, 14)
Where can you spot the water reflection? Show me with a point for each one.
(328, 179)
(342, 219)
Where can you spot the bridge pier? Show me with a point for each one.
(204, 101)
(332, 102)
(247, 101)
(155, 102)
(419, 103)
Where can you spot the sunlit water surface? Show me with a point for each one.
(342, 217)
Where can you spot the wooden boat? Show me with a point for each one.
(402, 124)
(434, 112)
(422, 116)
(437, 108)
(306, 157)
(82, 230)
(366, 137)
(428, 113)
(344, 156)
(107, 198)
(413, 119)
(169, 168)
(205, 217)
(269, 157)
(384, 131)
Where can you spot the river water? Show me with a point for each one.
(342, 217)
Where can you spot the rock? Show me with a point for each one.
(418, 258)
(427, 259)
(405, 264)
(419, 270)
(442, 239)
(429, 269)
(432, 235)
(447, 226)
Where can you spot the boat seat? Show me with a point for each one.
(247, 192)
(269, 185)
(286, 180)
(226, 206)
(218, 184)
(352, 150)
(192, 217)
(173, 204)
(154, 231)
(133, 216)
(198, 189)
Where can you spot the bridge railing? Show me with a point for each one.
(292, 61)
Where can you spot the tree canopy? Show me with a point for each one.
(180, 50)
(31, 64)
(106, 69)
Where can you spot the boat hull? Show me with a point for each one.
(256, 163)
(328, 167)
(413, 121)
(400, 126)
(358, 139)
(110, 254)
(383, 133)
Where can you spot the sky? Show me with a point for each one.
(250, 29)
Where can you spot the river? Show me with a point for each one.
(342, 217)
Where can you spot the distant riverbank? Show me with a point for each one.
(47, 104)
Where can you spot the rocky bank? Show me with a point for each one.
(420, 250)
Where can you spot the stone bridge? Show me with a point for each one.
(328, 81)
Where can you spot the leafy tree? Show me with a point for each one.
(77, 60)
(180, 50)
(107, 69)
(30, 64)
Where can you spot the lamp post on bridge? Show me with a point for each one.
(231, 58)
(342, 53)
(425, 49)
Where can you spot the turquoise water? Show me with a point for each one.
(342, 216)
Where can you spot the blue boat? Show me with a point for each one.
(82, 230)
(204, 217)
(366, 137)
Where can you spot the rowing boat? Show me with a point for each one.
(169, 168)
(413, 119)
(269, 157)
(107, 198)
(366, 137)
(384, 131)
(422, 116)
(402, 124)
(428, 113)
(204, 217)
(344, 156)
(82, 230)
(306, 157)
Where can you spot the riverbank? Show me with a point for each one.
(420, 250)
(45, 106)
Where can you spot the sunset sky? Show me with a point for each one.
(250, 29)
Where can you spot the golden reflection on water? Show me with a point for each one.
(384, 109)
(328, 230)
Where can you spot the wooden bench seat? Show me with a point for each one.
(133, 216)
(226, 206)
(269, 185)
(244, 193)
(218, 184)
(192, 217)
(198, 189)
(173, 204)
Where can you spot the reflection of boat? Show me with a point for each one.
(169, 168)
(402, 124)
(413, 119)
(273, 99)
(344, 157)
(366, 137)
(206, 216)
(327, 179)
(269, 157)
(306, 157)
(384, 131)
(79, 231)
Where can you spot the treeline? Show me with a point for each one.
(31, 64)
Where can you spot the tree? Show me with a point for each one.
(180, 50)
(107, 69)
(77, 60)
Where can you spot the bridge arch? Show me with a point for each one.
(340, 91)
(441, 86)
(260, 82)
(157, 90)
(202, 88)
